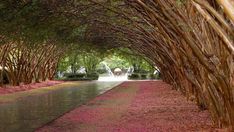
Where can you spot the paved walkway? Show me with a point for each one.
(144, 106)
(27, 110)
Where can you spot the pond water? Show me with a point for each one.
(31, 112)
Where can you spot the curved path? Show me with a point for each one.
(135, 107)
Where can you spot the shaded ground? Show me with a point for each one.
(26, 111)
(135, 106)
(12, 94)
(14, 89)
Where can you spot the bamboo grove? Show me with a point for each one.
(191, 41)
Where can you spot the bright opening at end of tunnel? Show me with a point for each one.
(104, 78)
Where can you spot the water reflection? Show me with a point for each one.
(29, 113)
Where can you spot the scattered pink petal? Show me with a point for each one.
(143, 106)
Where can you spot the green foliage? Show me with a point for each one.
(139, 76)
(70, 26)
(92, 76)
(79, 56)
(74, 75)
(152, 76)
(124, 58)
(80, 76)
(101, 71)
(134, 76)
(37, 21)
(115, 61)
(143, 76)
(140, 64)
(90, 60)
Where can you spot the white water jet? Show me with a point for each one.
(108, 69)
(111, 77)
